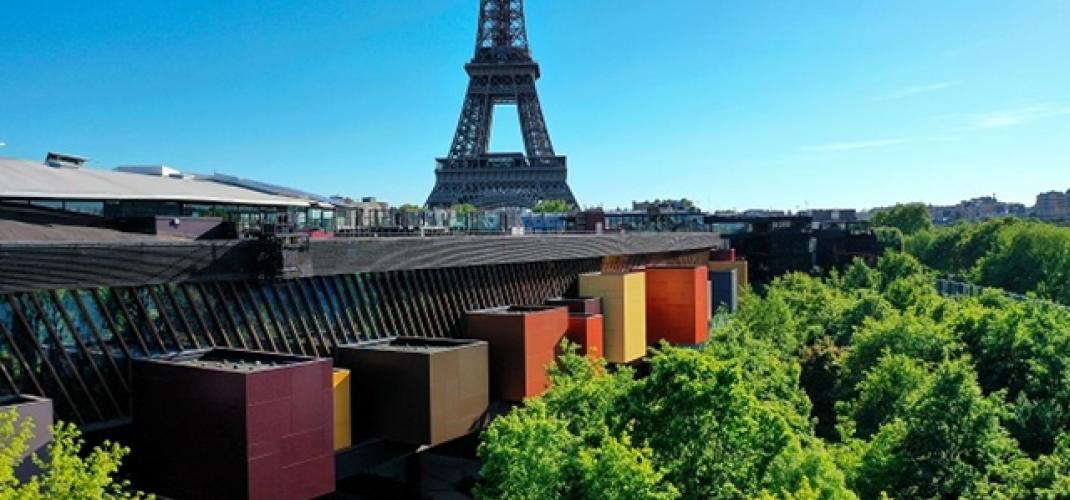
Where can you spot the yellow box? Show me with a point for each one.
(624, 311)
(741, 271)
(343, 412)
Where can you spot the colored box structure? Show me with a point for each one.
(741, 271)
(37, 411)
(677, 305)
(523, 342)
(233, 424)
(578, 305)
(623, 310)
(724, 290)
(588, 332)
(342, 386)
(415, 390)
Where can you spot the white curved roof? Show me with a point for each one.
(28, 179)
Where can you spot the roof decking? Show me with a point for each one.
(32, 180)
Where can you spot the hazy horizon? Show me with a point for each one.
(755, 105)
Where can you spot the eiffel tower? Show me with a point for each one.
(502, 72)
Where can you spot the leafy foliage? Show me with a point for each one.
(1013, 254)
(66, 473)
(909, 218)
(576, 455)
(618, 471)
(947, 440)
(553, 207)
(527, 455)
(713, 435)
(864, 384)
(886, 392)
(889, 238)
(463, 208)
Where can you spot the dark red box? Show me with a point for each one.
(234, 424)
(588, 332)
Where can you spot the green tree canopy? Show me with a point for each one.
(909, 218)
(463, 208)
(553, 206)
(887, 390)
(1013, 254)
(866, 384)
(945, 443)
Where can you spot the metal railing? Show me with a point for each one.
(952, 288)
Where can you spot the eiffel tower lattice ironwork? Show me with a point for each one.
(502, 72)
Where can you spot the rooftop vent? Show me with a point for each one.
(154, 170)
(60, 160)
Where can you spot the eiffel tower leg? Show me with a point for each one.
(473, 128)
(533, 126)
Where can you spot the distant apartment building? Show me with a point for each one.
(831, 215)
(368, 212)
(1053, 205)
(984, 207)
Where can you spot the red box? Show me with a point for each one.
(587, 331)
(677, 305)
(523, 341)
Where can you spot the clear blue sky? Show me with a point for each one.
(733, 104)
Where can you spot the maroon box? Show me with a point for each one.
(227, 423)
(578, 305)
(37, 410)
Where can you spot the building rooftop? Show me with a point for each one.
(13, 231)
(266, 187)
(21, 179)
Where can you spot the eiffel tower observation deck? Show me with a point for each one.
(502, 72)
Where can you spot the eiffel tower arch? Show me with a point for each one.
(501, 72)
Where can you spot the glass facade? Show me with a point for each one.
(662, 222)
(245, 216)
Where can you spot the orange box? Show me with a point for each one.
(523, 342)
(677, 305)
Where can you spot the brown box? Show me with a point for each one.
(578, 305)
(233, 424)
(37, 410)
(523, 341)
(414, 390)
